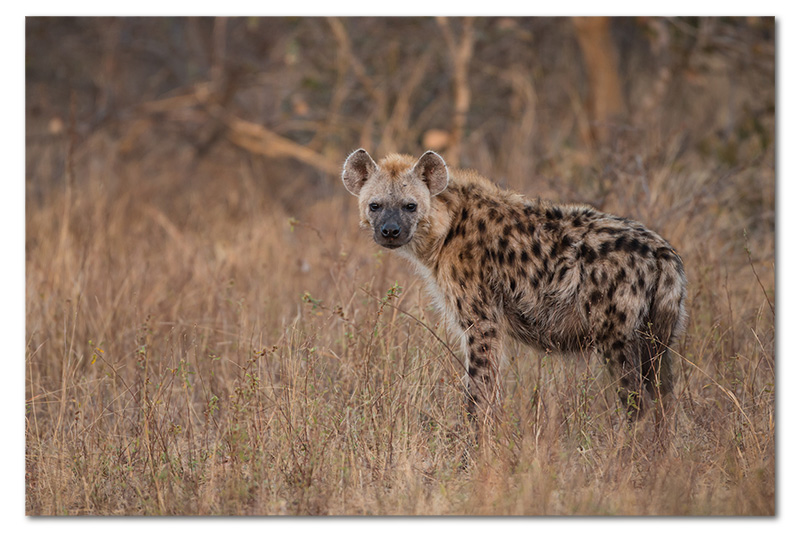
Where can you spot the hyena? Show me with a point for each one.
(556, 277)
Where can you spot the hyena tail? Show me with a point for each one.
(666, 323)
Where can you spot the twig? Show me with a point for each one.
(729, 394)
(342, 39)
(258, 139)
(750, 259)
(461, 55)
(247, 135)
(421, 323)
(398, 121)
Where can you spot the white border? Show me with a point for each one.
(12, 193)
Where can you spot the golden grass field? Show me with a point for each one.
(208, 332)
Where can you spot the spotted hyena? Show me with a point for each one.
(556, 277)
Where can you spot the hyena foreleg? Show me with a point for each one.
(483, 353)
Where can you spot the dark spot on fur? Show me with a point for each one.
(481, 226)
(502, 244)
(551, 226)
(481, 362)
(595, 297)
(507, 230)
(512, 284)
(587, 253)
(531, 228)
(554, 213)
(632, 245)
(537, 249)
(511, 256)
(620, 275)
(545, 265)
(611, 290)
(528, 210)
(666, 253)
(560, 245)
(618, 345)
(449, 237)
(562, 273)
(523, 257)
(604, 249)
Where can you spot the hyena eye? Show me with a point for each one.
(411, 207)
(374, 207)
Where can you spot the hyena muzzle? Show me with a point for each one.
(556, 277)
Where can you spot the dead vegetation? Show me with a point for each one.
(208, 332)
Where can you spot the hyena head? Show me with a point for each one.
(394, 196)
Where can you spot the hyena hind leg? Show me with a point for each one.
(641, 371)
(623, 360)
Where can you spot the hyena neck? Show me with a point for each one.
(425, 247)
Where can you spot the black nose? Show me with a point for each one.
(390, 230)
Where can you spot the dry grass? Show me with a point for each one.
(214, 335)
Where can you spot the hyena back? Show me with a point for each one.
(556, 277)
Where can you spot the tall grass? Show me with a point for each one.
(214, 335)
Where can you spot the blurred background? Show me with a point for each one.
(578, 106)
(184, 209)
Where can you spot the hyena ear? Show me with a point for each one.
(432, 169)
(357, 168)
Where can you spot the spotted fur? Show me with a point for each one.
(564, 278)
